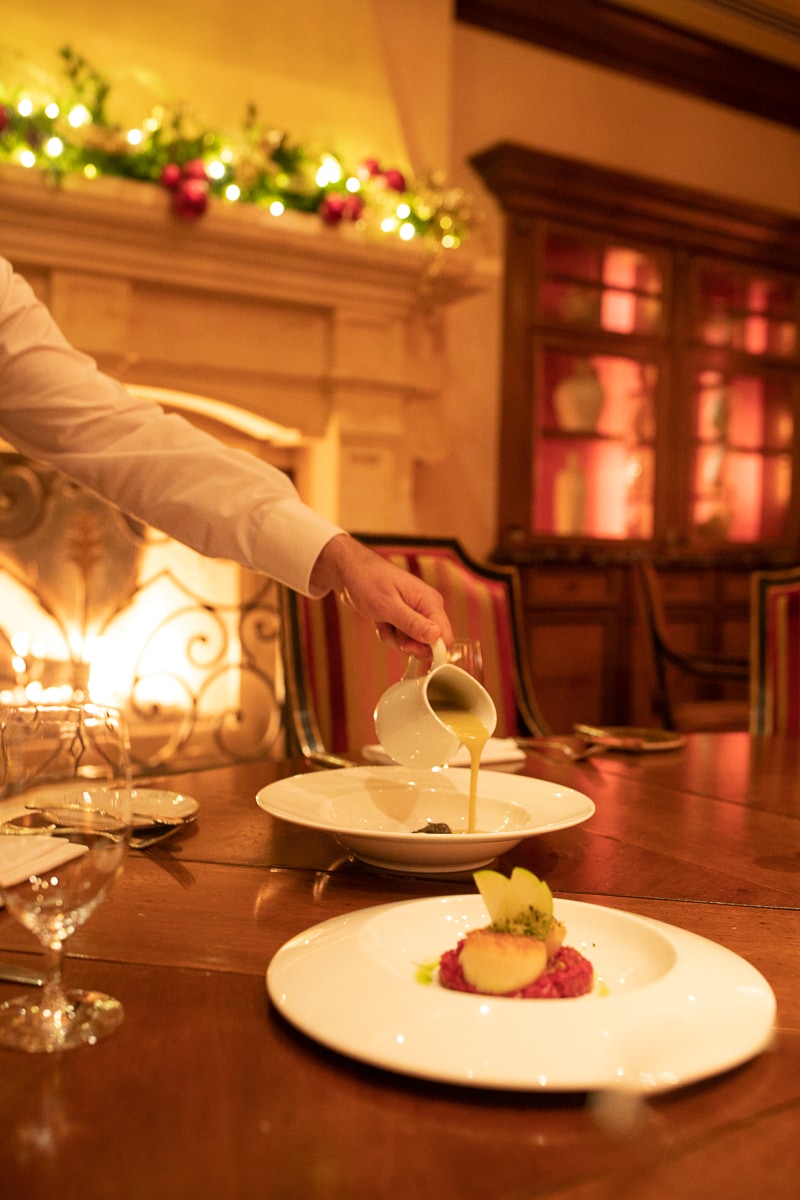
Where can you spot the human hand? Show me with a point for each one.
(407, 612)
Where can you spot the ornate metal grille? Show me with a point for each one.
(94, 604)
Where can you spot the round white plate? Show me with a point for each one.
(373, 811)
(154, 803)
(678, 1007)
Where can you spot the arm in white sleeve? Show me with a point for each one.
(56, 405)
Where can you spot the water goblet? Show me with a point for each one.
(467, 654)
(70, 763)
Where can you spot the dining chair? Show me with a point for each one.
(667, 664)
(775, 651)
(336, 668)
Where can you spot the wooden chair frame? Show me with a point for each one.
(773, 653)
(717, 668)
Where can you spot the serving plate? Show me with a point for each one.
(374, 811)
(669, 1007)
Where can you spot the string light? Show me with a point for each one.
(79, 115)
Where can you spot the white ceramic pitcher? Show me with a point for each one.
(407, 726)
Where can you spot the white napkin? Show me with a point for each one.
(496, 750)
(25, 854)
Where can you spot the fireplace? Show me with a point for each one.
(316, 349)
(96, 605)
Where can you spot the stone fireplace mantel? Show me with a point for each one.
(324, 331)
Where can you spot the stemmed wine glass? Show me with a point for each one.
(69, 763)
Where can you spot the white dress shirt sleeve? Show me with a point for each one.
(55, 405)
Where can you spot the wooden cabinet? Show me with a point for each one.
(651, 405)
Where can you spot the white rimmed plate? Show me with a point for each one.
(678, 1007)
(374, 811)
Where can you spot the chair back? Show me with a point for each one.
(336, 668)
(775, 651)
(670, 667)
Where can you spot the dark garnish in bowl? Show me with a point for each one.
(435, 827)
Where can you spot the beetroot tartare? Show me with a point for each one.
(567, 974)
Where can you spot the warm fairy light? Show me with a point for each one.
(226, 154)
(151, 124)
(277, 208)
(53, 146)
(90, 171)
(406, 231)
(25, 107)
(449, 241)
(388, 224)
(353, 184)
(79, 115)
(216, 169)
(27, 158)
(403, 210)
(135, 137)
(233, 191)
(52, 110)
(330, 171)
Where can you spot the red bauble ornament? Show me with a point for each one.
(194, 169)
(171, 176)
(370, 167)
(190, 198)
(352, 208)
(331, 209)
(5, 120)
(395, 180)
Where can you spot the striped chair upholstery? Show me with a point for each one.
(775, 651)
(336, 668)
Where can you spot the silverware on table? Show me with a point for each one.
(143, 835)
(11, 973)
(573, 753)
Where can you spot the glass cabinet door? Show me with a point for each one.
(743, 400)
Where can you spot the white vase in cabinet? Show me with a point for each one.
(578, 400)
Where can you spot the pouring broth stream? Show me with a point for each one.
(472, 733)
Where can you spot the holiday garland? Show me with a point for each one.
(69, 132)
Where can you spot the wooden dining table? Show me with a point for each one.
(206, 1091)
